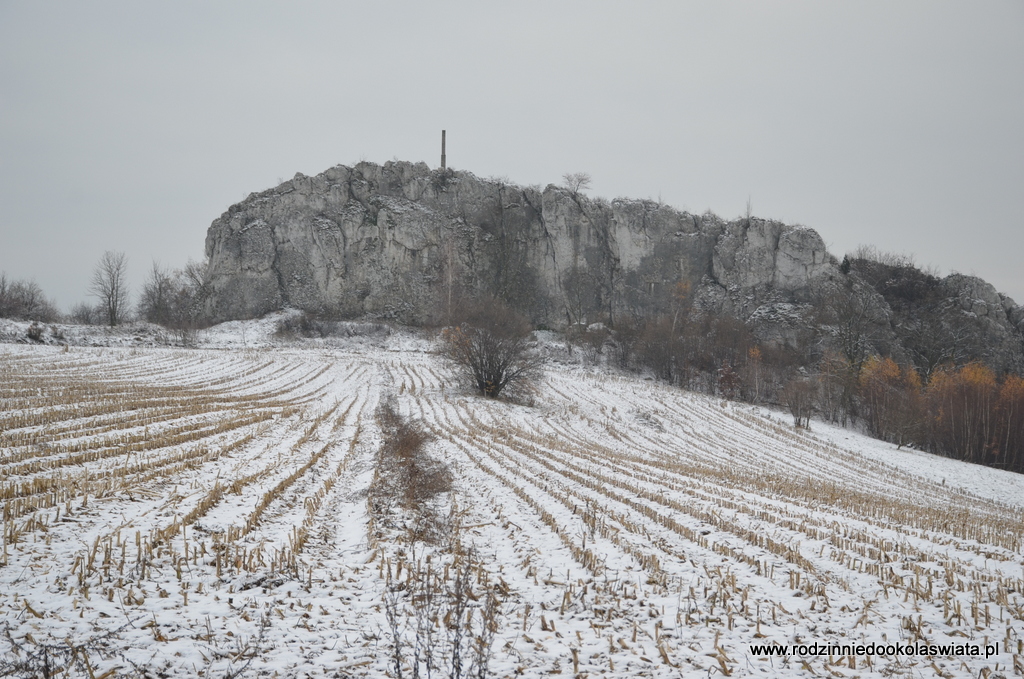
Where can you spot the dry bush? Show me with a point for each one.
(84, 314)
(490, 348)
(304, 325)
(174, 299)
(52, 657)
(590, 340)
(35, 332)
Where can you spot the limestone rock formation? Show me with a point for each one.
(954, 319)
(392, 241)
(401, 241)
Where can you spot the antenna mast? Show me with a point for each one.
(443, 165)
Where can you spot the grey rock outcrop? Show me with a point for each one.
(399, 241)
(995, 322)
(938, 321)
(389, 240)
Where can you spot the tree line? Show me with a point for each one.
(25, 300)
(172, 298)
(965, 412)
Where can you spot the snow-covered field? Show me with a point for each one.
(203, 512)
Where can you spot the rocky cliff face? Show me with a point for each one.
(400, 240)
(391, 240)
(954, 319)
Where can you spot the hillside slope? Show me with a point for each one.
(206, 510)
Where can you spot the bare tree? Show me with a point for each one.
(579, 293)
(490, 348)
(798, 395)
(110, 285)
(576, 181)
(450, 269)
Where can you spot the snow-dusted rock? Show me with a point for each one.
(392, 241)
(388, 239)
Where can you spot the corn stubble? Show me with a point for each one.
(655, 533)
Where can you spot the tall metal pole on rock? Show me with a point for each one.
(442, 150)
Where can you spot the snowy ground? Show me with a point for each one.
(202, 512)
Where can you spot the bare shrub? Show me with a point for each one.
(366, 329)
(490, 349)
(325, 324)
(306, 324)
(51, 657)
(729, 381)
(442, 178)
(590, 340)
(624, 343)
(35, 332)
(660, 349)
(871, 253)
(174, 299)
(84, 314)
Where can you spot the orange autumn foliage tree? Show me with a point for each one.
(961, 413)
(966, 413)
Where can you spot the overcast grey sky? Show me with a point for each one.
(131, 126)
